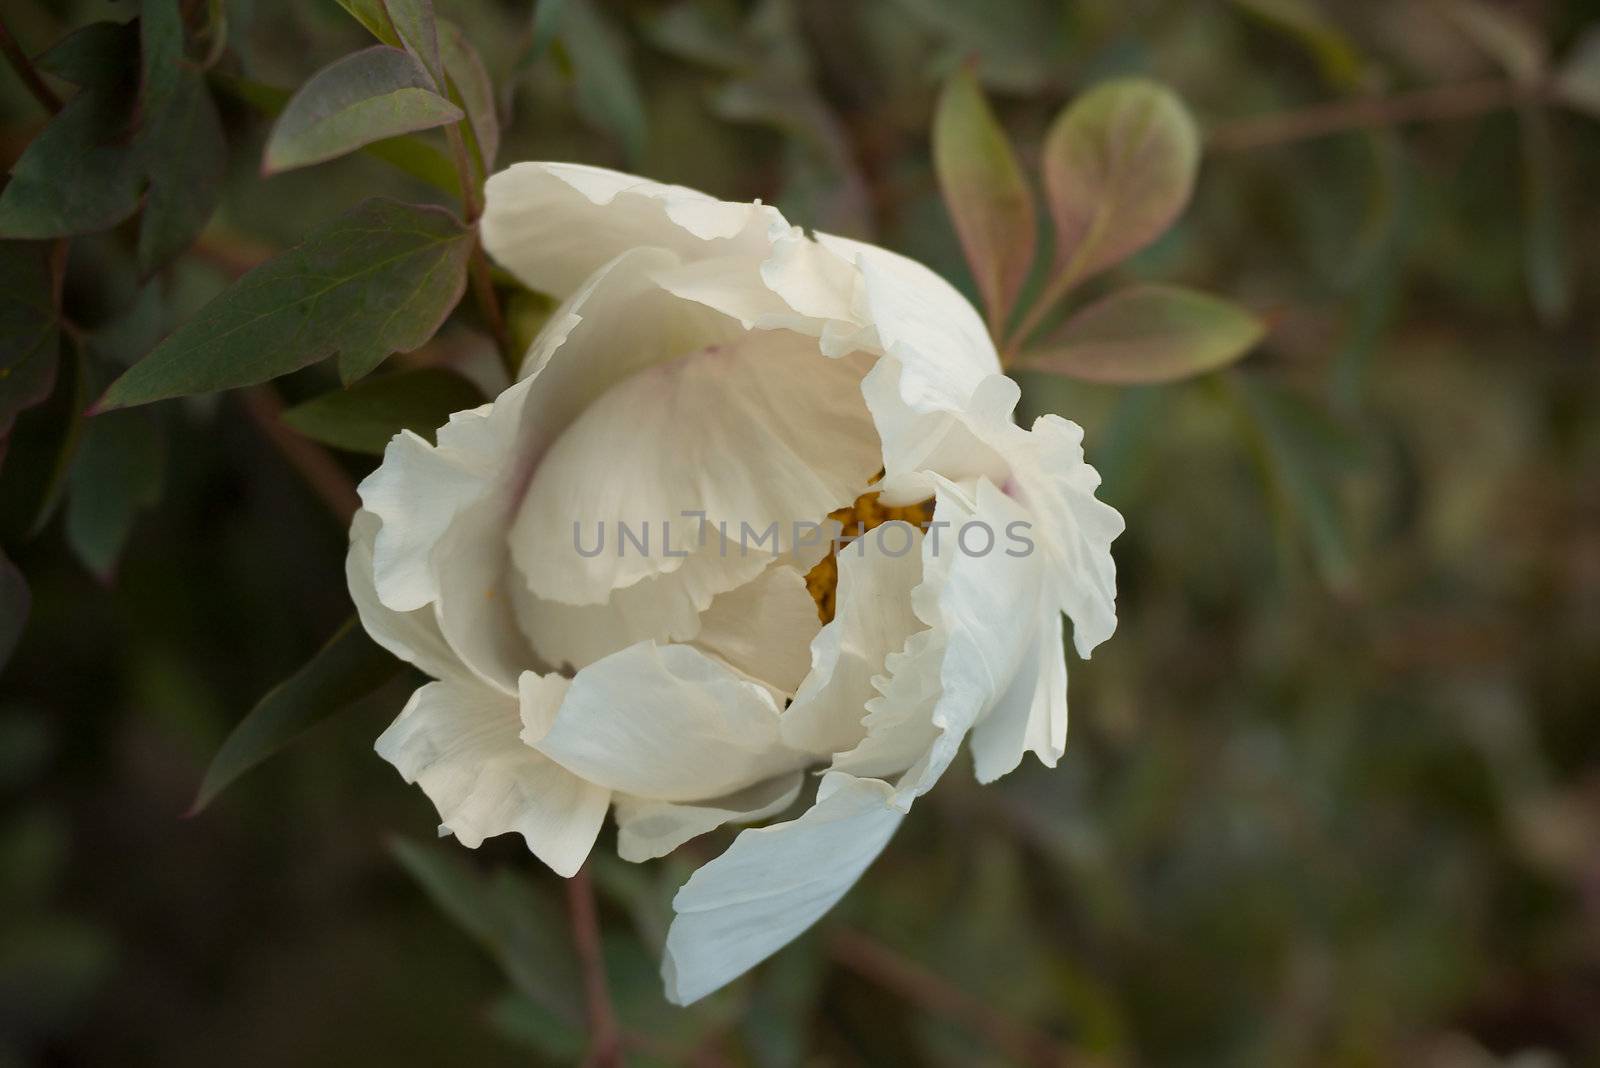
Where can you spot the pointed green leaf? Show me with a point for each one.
(1148, 333)
(342, 672)
(607, 92)
(15, 601)
(117, 473)
(471, 89)
(379, 279)
(367, 96)
(41, 447)
(1119, 166)
(83, 171)
(371, 14)
(364, 417)
(1578, 83)
(546, 21)
(414, 23)
(30, 329)
(515, 920)
(984, 192)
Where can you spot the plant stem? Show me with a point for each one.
(314, 463)
(605, 1039)
(1461, 100)
(489, 307)
(929, 992)
(26, 71)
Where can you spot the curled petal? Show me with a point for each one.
(772, 884)
(461, 743)
(649, 829)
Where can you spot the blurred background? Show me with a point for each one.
(1331, 796)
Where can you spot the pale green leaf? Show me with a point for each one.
(1119, 166)
(985, 193)
(379, 279)
(365, 416)
(371, 14)
(1145, 334)
(1578, 82)
(348, 668)
(607, 92)
(367, 96)
(471, 89)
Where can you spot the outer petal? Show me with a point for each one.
(772, 884)
(1032, 714)
(873, 621)
(460, 742)
(412, 636)
(650, 829)
(667, 722)
(554, 224)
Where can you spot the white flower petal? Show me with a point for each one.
(772, 884)
(873, 620)
(649, 829)
(461, 744)
(667, 722)
(758, 435)
(1031, 716)
(412, 636)
(762, 628)
(554, 224)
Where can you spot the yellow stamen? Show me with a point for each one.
(865, 514)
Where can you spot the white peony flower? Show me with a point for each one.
(713, 368)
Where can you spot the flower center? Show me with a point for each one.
(822, 581)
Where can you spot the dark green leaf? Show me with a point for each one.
(30, 332)
(546, 24)
(39, 452)
(1303, 19)
(1145, 334)
(161, 53)
(1545, 228)
(117, 473)
(1119, 166)
(516, 921)
(364, 417)
(984, 192)
(471, 89)
(410, 154)
(379, 279)
(607, 92)
(186, 155)
(523, 1021)
(345, 670)
(373, 94)
(15, 600)
(83, 172)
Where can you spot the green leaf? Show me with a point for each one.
(30, 328)
(185, 155)
(1302, 452)
(472, 91)
(342, 672)
(379, 279)
(410, 154)
(371, 14)
(15, 601)
(1119, 166)
(83, 172)
(367, 96)
(1304, 19)
(414, 23)
(984, 192)
(519, 1019)
(1145, 334)
(364, 417)
(1545, 226)
(117, 473)
(1578, 82)
(546, 23)
(516, 921)
(40, 449)
(607, 92)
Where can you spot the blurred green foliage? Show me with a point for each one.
(1332, 795)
